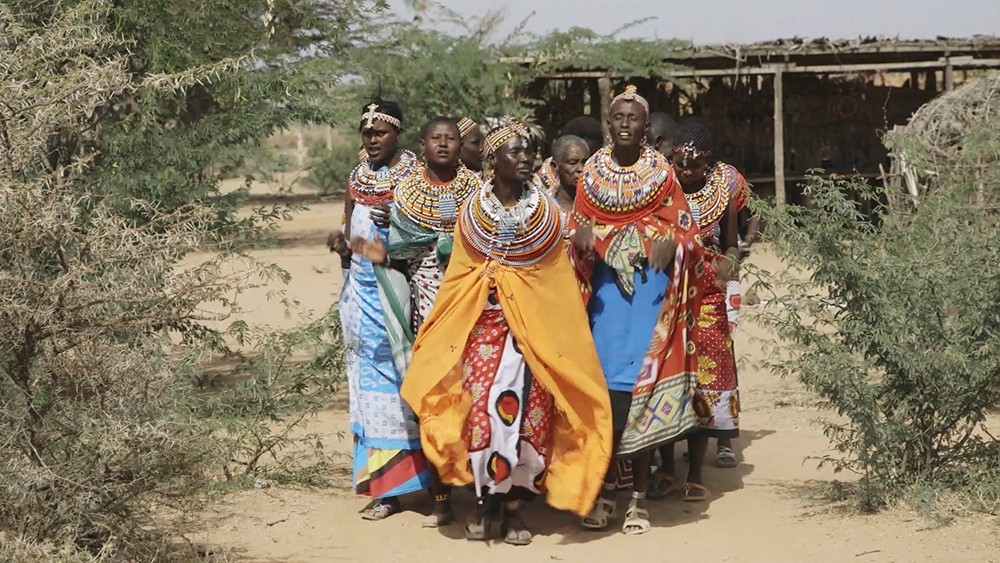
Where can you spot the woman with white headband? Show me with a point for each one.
(387, 457)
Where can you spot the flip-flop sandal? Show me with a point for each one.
(599, 515)
(694, 492)
(477, 530)
(380, 511)
(725, 457)
(515, 532)
(636, 521)
(660, 486)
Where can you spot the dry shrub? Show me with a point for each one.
(92, 440)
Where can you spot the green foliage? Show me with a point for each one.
(268, 396)
(331, 167)
(470, 73)
(897, 328)
(238, 72)
(583, 49)
(432, 73)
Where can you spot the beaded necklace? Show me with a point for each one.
(547, 176)
(624, 189)
(516, 236)
(435, 205)
(712, 199)
(374, 187)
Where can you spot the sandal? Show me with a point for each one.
(380, 509)
(661, 484)
(636, 521)
(477, 528)
(693, 492)
(725, 457)
(513, 529)
(599, 515)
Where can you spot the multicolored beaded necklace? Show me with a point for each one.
(547, 176)
(711, 200)
(433, 205)
(515, 236)
(374, 187)
(624, 189)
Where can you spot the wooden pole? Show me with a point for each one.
(779, 136)
(604, 88)
(949, 74)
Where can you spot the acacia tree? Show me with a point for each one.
(94, 414)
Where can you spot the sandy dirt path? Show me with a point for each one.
(759, 511)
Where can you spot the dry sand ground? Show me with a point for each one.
(759, 511)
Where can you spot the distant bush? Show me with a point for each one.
(330, 168)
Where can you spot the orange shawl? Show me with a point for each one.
(550, 324)
(664, 389)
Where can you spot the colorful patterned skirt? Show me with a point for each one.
(387, 457)
(717, 395)
(508, 427)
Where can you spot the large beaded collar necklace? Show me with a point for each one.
(624, 189)
(435, 205)
(516, 236)
(712, 199)
(374, 187)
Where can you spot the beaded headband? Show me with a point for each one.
(511, 129)
(690, 151)
(630, 95)
(465, 126)
(372, 114)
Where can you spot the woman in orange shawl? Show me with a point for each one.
(504, 377)
(639, 260)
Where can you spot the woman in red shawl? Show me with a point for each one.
(639, 260)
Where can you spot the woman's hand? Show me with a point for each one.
(661, 255)
(373, 250)
(380, 215)
(336, 242)
(583, 238)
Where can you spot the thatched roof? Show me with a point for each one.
(819, 55)
(943, 134)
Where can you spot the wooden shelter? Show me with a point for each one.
(782, 108)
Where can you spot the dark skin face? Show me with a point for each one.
(569, 166)
(381, 142)
(440, 147)
(513, 162)
(691, 173)
(472, 150)
(628, 124)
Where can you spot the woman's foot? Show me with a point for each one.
(694, 492)
(604, 509)
(442, 514)
(636, 517)
(661, 484)
(725, 456)
(477, 528)
(380, 509)
(513, 529)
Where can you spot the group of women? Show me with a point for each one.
(538, 333)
